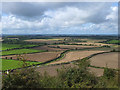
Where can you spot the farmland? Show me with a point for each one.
(20, 51)
(51, 54)
(71, 46)
(14, 46)
(48, 48)
(75, 55)
(10, 46)
(48, 41)
(55, 49)
(13, 64)
(40, 57)
(107, 59)
(113, 42)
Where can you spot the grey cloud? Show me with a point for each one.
(35, 10)
(55, 17)
(32, 9)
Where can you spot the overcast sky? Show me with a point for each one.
(59, 18)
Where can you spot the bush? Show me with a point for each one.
(25, 78)
(77, 77)
(109, 73)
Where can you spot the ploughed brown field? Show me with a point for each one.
(50, 41)
(40, 57)
(72, 46)
(75, 55)
(48, 48)
(109, 59)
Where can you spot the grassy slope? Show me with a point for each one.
(13, 64)
(20, 51)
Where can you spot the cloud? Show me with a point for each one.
(54, 18)
(113, 15)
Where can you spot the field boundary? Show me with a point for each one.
(21, 60)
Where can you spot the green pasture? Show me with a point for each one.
(21, 51)
(13, 64)
(12, 46)
(113, 42)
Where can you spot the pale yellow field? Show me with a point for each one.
(38, 40)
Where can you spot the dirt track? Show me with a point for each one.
(111, 59)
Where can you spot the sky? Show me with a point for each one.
(59, 18)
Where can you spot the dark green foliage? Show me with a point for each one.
(109, 73)
(78, 77)
(21, 79)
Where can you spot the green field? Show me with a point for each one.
(13, 64)
(21, 51)
(29, 45)
(11, 46)
(113, 42)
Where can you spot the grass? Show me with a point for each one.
(12, 46)
(21, 51)
(113, 42)
(29, 45)
(13, 64)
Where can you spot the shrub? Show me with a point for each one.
(109, 73)
(77, 77)
(25, 78)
